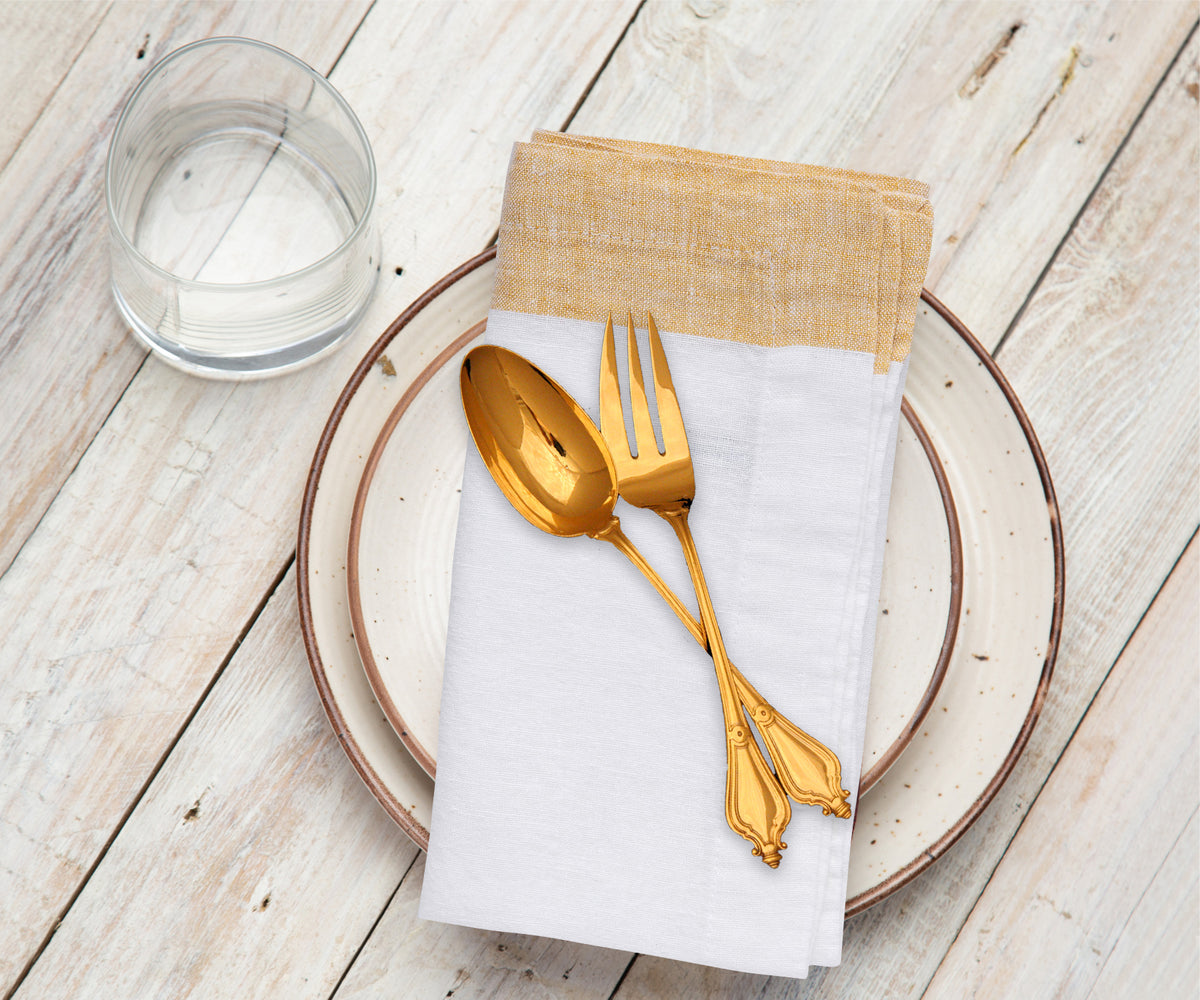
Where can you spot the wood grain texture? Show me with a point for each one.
(1010, 159)
(38, 44)
(1157, 949)
(1104, 359)
(65, 357)
(1057, 906)
(160, 545)
(237, 855)
(139, 578)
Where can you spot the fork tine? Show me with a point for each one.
(643, 426)
(612, 420)
(670, 419)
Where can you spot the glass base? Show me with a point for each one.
(244, 367)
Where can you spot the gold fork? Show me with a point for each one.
(665, 482)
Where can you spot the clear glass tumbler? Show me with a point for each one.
(240, 189)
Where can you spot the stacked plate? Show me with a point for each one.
(969, 613)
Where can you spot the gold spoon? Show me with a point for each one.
(551, 463)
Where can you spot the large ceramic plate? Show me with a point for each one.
(402, 532)
(1012, 584)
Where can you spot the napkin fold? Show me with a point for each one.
(581, 750)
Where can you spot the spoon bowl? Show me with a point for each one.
(539, 445)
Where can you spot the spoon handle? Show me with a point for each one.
(807, 769)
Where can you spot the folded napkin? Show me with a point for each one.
(581, 752)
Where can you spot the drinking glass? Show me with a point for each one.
(240, 188)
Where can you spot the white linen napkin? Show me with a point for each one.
(581, 756)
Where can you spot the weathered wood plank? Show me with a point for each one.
(38, 44)
(1157, 949)
(64, 355)
(1110, 817)
(210, 867)
(61, 350)
(1104, 359)
(162, 542)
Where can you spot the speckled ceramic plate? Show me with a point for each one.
(1012, 580)
(402, 531)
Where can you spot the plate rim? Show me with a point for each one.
(419, 834)
(370, 666)
(391, 805)
(425, 758)
(953, 613)
(897, 880)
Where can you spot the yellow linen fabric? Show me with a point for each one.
(741, 249)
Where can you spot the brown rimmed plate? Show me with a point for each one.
(1012, 585)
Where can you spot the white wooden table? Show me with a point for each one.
(176, 817)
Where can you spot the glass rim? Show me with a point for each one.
(217, 286)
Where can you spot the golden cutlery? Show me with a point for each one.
(665, 483)
(551, 463)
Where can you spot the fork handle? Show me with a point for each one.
(756, 807)
(754, 799)
(807, 769)
(708, 617)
